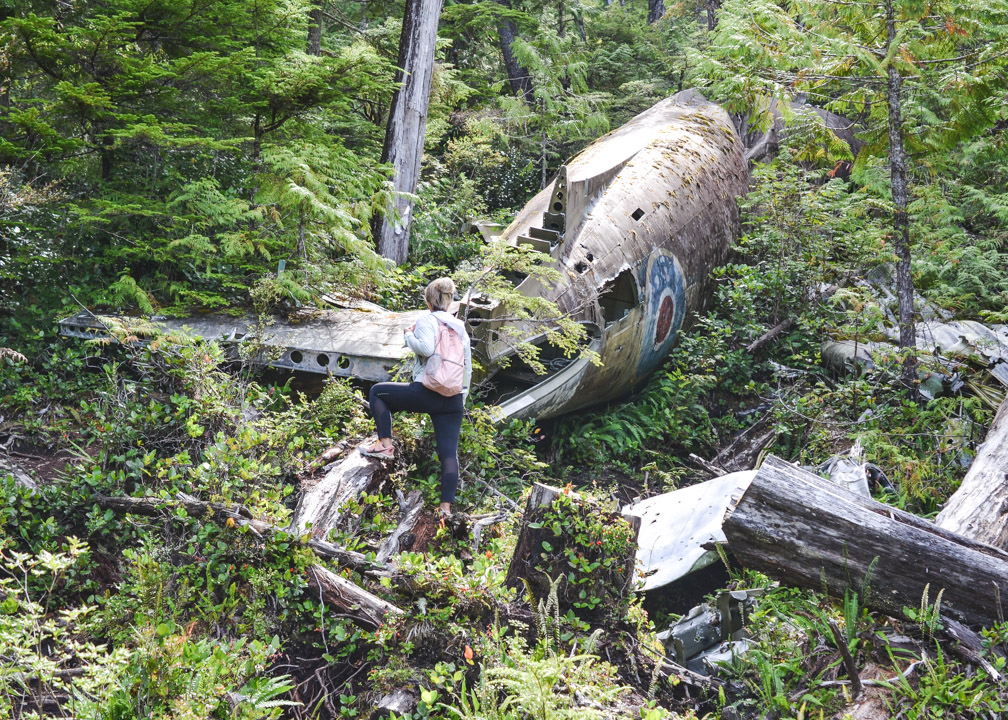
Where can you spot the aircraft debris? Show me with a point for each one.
(763, 144)
(634, 223)
(852, 472)
(711, 634)
(953, 347)
(678, 530)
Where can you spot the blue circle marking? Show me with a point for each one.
(665, 309)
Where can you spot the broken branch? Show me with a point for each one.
(848, 659)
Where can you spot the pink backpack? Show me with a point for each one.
(446, 366)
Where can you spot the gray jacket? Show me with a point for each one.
(423, 339)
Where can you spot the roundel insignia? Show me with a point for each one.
(666, 307)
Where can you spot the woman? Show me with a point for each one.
(445, 412)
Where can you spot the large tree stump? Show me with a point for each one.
(541, 556)
(979, 508)
(805, 531)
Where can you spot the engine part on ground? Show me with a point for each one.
(710, 635)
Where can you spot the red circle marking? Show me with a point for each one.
(666, 313)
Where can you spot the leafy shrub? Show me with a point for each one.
(161, 672)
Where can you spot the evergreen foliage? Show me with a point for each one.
(169, 156)
(190, 146)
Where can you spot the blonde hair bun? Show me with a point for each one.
(440, 293)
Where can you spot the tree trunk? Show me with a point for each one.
(901, 221)
(107, 155)
(302, 248)
(805, 531)
(712, 6)
(257, 138)
(404, 134)
(543, 178)
(655, 11)
(315, 29)
(579, 23)
(978, 508)
(518, 76)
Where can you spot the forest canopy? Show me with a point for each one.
(160, 157)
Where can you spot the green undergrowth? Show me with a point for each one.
(190, 616)
(104, 614)
(178, 616)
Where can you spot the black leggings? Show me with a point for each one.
(445, 413)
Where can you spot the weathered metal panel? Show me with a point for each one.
(363, 344)
(676, 526)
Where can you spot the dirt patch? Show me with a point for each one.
(38, 465)
(871, 704)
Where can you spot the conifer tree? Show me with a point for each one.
(161, 124)
(918, 76)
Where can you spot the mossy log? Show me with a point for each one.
(805, 531)
(350, 599)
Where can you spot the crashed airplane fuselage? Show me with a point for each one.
(634, 224)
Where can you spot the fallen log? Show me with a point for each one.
(354, 601)
(402, 538)
(711, 468)
(322, 506)
(351, 599)
(481, 523)
(805, 531)
(21, 478)
(978, 508)
(744, 451)
(239, 516)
